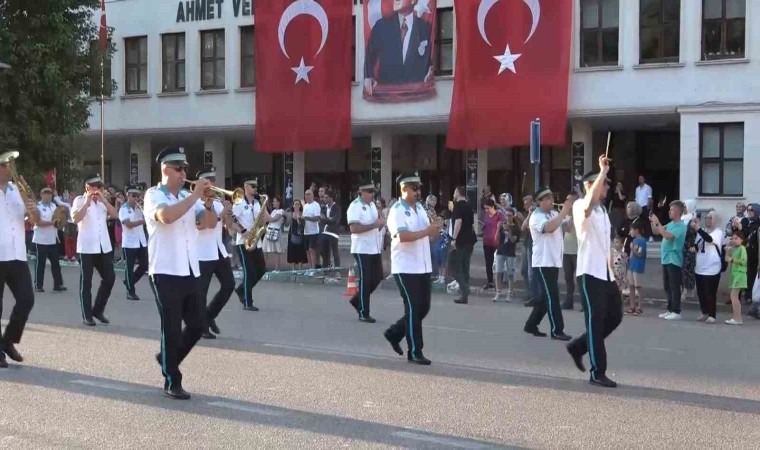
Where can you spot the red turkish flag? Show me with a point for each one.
(303, 89)
(103, 26)
(494, 99)
(50, 179)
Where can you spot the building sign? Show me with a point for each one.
(288, 171)
(208, 158)
(375, 168)
(199, 10)
(577, 166)
(472, 179)
(133, 175)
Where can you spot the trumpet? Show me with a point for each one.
(213, 191)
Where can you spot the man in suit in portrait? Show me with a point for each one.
(401, 44)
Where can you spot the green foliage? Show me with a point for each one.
(45, 97)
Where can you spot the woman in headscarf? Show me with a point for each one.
(708, 266)
(751, 231)
(689, 250)
(734, 222)
(633, 215)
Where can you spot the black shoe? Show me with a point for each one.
(419, 358)
(39, 290)
(603, 381)
(89, 322)
(207, 335)
(3, 362)
(367, 319)
(132, 296)
(212, 325)
(101, 318)
(250, 308)
(394, 343)
(60, 289)
(577, 359)
(176, 393)
(461, 301)
(562, 337)
(535, 332)
(12, 353)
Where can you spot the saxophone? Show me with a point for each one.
(259, 227)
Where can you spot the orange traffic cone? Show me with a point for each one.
(351, 288)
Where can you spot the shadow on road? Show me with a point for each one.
(489, 375)
(241, 411)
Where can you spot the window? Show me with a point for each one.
(212, 59)
(599, 32)
(137, 64)
(173, 62)
(659, 30)
(96, 78)
(444, 42)
(723, 28)
(247, 63)
(721, 159)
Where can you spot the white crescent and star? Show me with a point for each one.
(297, 8)
(507, 59)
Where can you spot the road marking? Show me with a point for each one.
(250, 409)
(451, 442)
(324, 350)
(107, 385)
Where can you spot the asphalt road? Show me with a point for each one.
(303, 373)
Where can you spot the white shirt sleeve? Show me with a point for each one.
(154, 200)
(538, 221)
(77, 205)
(353, 215)
(396, 222)
(124, 215)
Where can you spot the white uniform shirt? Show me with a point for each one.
(246, 213)
(132, 237)
(210, 243)
(409, 257)
(45, 235)
(593, 242)
(642, 195)
(313, 209)
(370, 242)
(12, 237)
(547, 247)
(93, 235)
(172, 248)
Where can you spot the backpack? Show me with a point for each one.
(723, 263)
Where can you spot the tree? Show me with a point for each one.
(45, 97)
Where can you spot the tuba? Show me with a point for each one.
(259, 227)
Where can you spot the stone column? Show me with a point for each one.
(299, 178)
(215, 153)
(140, 152)
(384, 140)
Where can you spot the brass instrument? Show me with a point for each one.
(60, 217)
(27, 194)
(213, 191)
(259, 227)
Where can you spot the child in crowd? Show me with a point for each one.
(505, 259)
(737, 257)
(619, 263)
(636, 267)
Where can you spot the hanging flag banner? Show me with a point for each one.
(303, 98)
(577, 181)
(513, 66)
(287, 163)
(399, 50)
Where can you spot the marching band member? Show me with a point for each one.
(600, 296)
(366, 247)
(254, 266)
(90, 212)
(14, 270)
(45, 241)
(411, 266)
(212, 216)
(548, 242)
(173, 265)
(134, 243)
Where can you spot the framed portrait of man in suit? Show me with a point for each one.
(399, 50)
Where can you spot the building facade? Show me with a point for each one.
(676, 81)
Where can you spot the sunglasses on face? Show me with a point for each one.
(413, 187)
(179, 169)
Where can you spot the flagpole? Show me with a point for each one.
(102, 126)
